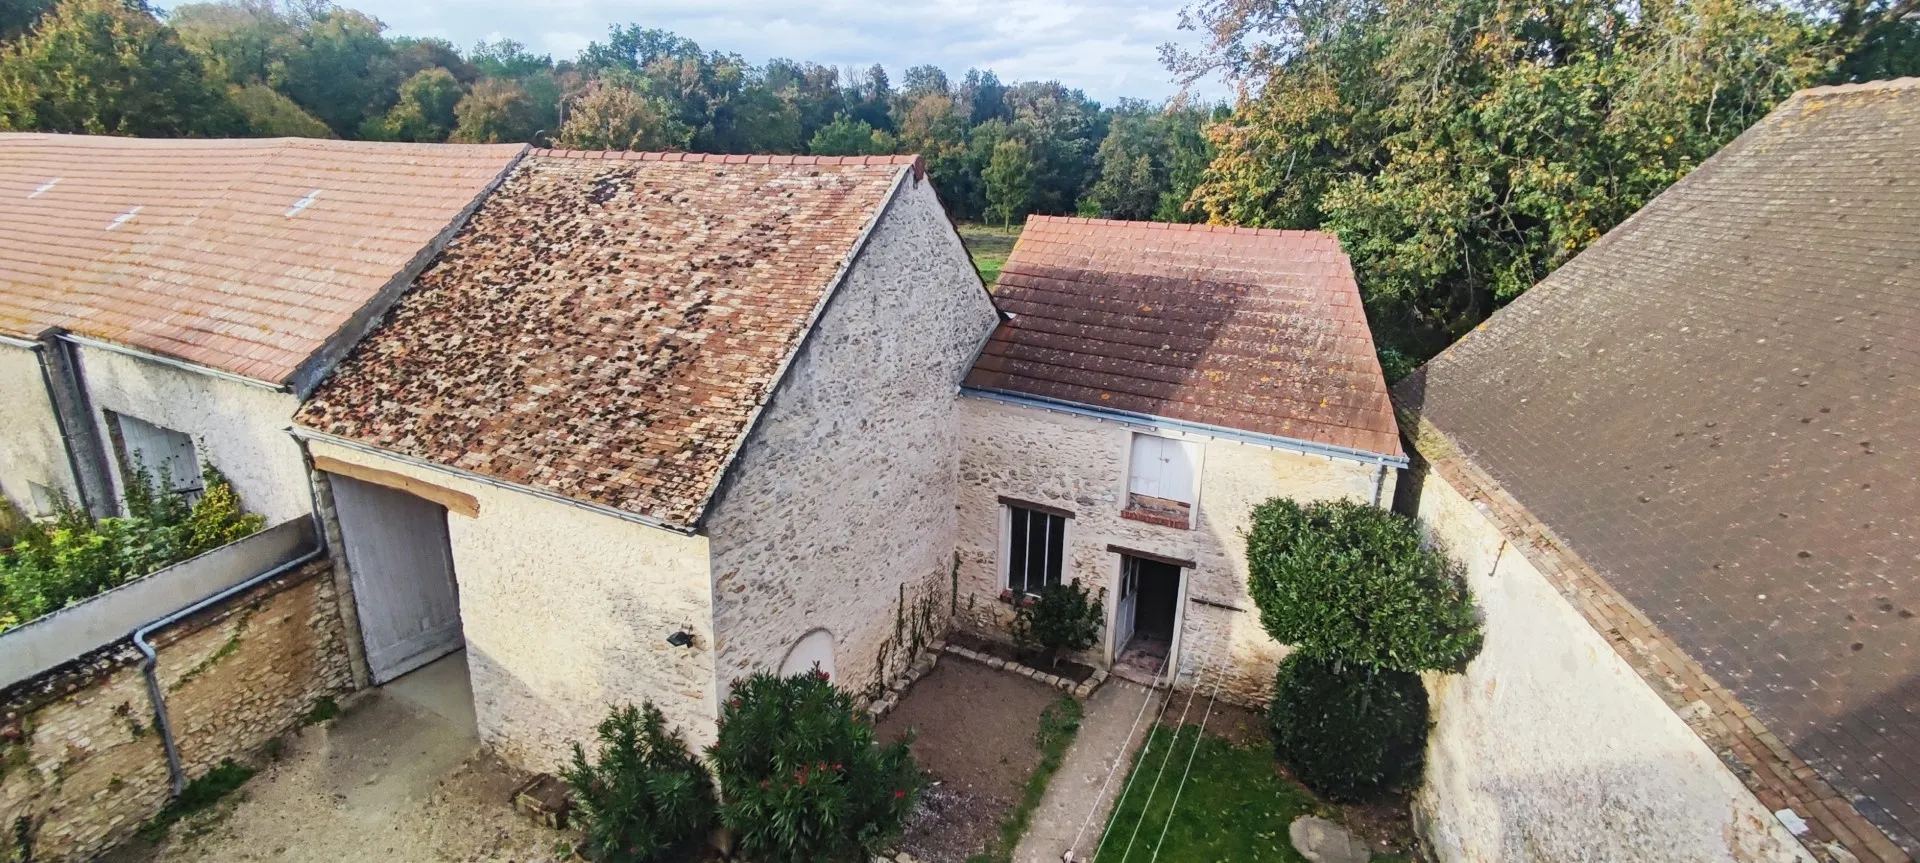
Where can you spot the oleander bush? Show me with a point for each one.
(644, 797)
(803, 778)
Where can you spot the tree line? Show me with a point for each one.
(1461, 149)
(311, 68)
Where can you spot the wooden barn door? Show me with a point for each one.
(403, 583)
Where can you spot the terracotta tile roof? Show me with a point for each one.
(203, 250)
(1252, 330)
(605, 327)
(1715, 407)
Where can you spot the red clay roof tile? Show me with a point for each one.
(243, 255)
(606, 329)
(1253, 330)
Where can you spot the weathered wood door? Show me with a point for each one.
(402, 568)
(1124, 606)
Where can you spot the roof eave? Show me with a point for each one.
(1393, 460)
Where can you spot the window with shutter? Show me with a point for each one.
(161, 451)
(1162, 481)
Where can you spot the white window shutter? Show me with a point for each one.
(1178, 463)
(1144, 478)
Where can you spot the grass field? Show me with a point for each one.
(1234, 806)
(989, 245)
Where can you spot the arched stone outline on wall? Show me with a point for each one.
(814, 647)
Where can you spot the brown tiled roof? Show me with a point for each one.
(605, 327)
(1253, 330)
(1715, 407)
(201, 249)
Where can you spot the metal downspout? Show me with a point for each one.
(1379, 482)
(60, 423)
(149, 666)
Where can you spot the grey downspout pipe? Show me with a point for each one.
(60, 423)
(1379, 482)
(149, 666)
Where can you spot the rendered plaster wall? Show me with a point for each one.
(566, 613)
(1550, 747)
(238, 427)
(1079, 464)
(80, 760)
(31, 450)
(842, 501)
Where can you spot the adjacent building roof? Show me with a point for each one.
(1715, 407)
(244, 255)
(1250, 330)
(607, 325)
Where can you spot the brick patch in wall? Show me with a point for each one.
(1777, 777)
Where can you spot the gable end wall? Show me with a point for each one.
(842, 500)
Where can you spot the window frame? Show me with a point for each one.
(1007, 509)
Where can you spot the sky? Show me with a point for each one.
(1108, 48)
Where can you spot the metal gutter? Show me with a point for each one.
(306, 434)
(150, 664)
(10, 341)
(1170, 424)
(800, 345)
(183, 365)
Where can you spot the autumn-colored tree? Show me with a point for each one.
(615, 114)
(495, 111)
(271, 115)
(424, 113)
(1462, 149)
(107, 67)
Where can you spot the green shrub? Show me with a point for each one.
(803, 778)
(644, 797)
(77, 556)
(1062, 617)
(1348, 581)
(1348, 730)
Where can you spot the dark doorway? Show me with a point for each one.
(1149, 596)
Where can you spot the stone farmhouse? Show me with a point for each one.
(609, 427)
(1681, 473)
(171, 302)
(1150, 385)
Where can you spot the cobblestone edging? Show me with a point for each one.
(1080, 691)
(923, 662)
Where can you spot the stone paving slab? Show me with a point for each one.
(1111, 731)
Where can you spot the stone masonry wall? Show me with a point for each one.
(842, 500)
(566, 613)
(1080, 465)
(80, 759)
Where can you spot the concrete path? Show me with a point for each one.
(1109, 735)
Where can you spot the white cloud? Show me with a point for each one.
(1109, 48)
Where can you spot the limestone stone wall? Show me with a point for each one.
(1080, 465)
(842, 501)
(79, 756)
(240, 428)
(1550, 747)
(30, 447)
(566, 613)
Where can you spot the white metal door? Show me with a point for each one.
(402, 569)
(1123, 609)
